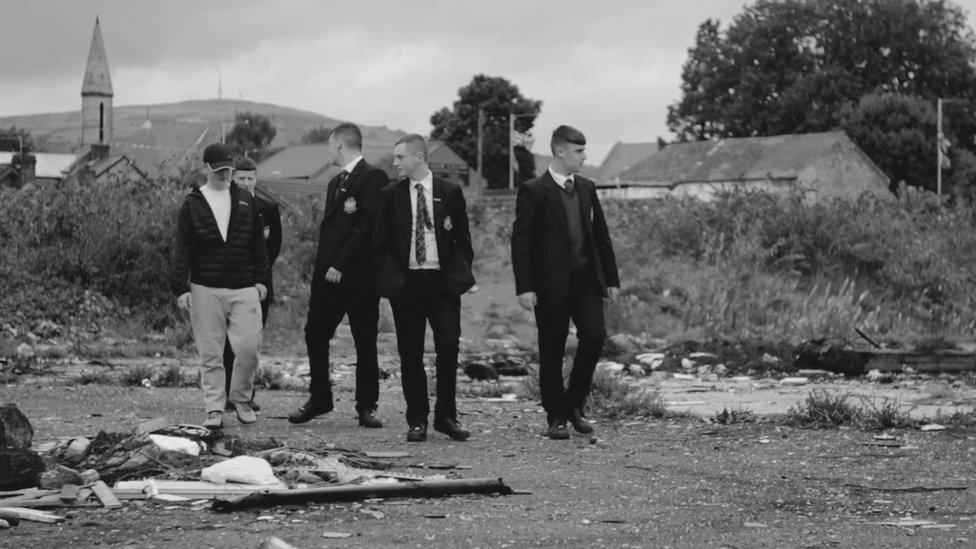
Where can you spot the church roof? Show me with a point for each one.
(97, 80)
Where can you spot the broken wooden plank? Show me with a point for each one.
(69, 492)
(387, 455)
(152, 425)
(422, 489)
(193, 489)
(906, 488)
(30, 515)
(105, 495)
(11, 518)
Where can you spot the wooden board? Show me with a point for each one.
(105, 495)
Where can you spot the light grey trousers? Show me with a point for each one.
(218, 315)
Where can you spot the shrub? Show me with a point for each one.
(734, 416)
(884, 414)
(94, 378)
(173, 376)
(135, 375)
(611, 396)
(821, 409)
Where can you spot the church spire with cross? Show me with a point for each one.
(96, 94)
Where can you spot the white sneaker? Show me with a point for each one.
(215, 420)
(245, 414)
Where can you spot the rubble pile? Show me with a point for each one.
(194, 465)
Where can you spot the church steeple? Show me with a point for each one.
(97, 79)
(96, 94)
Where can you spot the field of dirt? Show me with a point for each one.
(636, 483)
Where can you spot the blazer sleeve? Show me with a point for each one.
(522, 229)
(462, 234)
(381, 237)
(180, 265)
(363, 224)
(604, 246)
(259, 253)
(273, 244)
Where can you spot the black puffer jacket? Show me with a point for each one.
(202, 257)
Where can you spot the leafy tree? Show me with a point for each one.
(318, 134)
(791, 66)
(252, 134)
(10, 139)
(458, 127)
(798, 66)
(897, 131)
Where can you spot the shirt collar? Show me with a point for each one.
(559, 178)
(427, 182)
(348, 168)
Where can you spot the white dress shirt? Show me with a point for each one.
(348, 168)
(219, 202)
(559, 178)
(430, 238)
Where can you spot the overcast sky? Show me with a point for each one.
(610, 68)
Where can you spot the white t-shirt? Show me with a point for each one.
(219, 202)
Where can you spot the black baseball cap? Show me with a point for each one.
(244, 164)
(218, 157)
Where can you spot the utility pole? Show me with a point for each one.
(481, 132)
(938, 146)
(511, 151)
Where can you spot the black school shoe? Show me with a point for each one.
(309, 410)
(557, 430)
(417, 433)
(452, 429)
(369, 420)
(578, 423)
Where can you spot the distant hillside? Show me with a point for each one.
(61, 132)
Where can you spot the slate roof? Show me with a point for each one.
(624, 156)
(734, 159)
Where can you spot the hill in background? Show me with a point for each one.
(160, 137)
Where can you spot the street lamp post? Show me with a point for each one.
(511, 146)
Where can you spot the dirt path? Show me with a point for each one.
(677, 483)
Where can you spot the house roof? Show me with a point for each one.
(49, 165)
(542, 162)
(623, 156)
(734, 159)
(312, 161)
(164, 145)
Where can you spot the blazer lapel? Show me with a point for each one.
(583, 191)
(556, 202)
(404, 214)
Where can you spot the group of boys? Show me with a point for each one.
(407, 241)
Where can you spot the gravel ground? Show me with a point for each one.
(637, 483)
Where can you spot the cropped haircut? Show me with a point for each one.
(350, 135)
(415, 142)
(566, 134)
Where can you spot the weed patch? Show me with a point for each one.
(821, 409)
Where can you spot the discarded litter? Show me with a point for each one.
(243, 469)
(932, 427)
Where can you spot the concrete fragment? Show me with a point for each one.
(56, 477)
(15, 428)
(25, 350)
(77, 450)
(794, 381)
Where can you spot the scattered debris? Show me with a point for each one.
(907, 488)
(909, 522)
(423, 489)
(276, 543)
(755, 525)
(242, 469)
(387, 455)
(932, 427)
(336, 535)
(794, 381)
